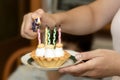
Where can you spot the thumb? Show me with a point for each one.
(86, 55)
(37, 13)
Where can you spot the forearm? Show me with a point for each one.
(76, 21)
(87, 19)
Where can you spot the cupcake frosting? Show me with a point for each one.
(59, 50)
(40, 51)
(49, 51)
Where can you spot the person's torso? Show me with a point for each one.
(115, 31)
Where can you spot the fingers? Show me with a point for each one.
(80, 68)
(38, 13)
(91, 67)
(88, 55)
(26, 28)
(45, 19)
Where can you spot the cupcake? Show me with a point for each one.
(52, 57)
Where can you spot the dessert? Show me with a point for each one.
(50, 57)
(50, 54)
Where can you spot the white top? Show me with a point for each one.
(115, 31)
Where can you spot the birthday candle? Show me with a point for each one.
(38, 32)
(54, 35)
(48, 33)
(37, 24)
(46, 30)
(59, 35)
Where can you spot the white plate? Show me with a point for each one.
(27, 60)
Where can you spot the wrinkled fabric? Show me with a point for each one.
(29, 73)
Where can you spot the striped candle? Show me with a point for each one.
(39, 38)
(59, 35)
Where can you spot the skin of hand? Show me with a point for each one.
(101, 63)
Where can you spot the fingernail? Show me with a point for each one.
(78, 56)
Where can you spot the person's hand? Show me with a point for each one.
(26, 28)
(101, 63)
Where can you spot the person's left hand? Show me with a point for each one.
(101, 63)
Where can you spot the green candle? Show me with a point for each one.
(49, 41)
(54, 35)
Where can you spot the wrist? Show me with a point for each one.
(59, 17)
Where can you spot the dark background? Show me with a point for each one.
(11, 14)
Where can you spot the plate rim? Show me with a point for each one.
(24, 60)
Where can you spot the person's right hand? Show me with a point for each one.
(26, 28)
